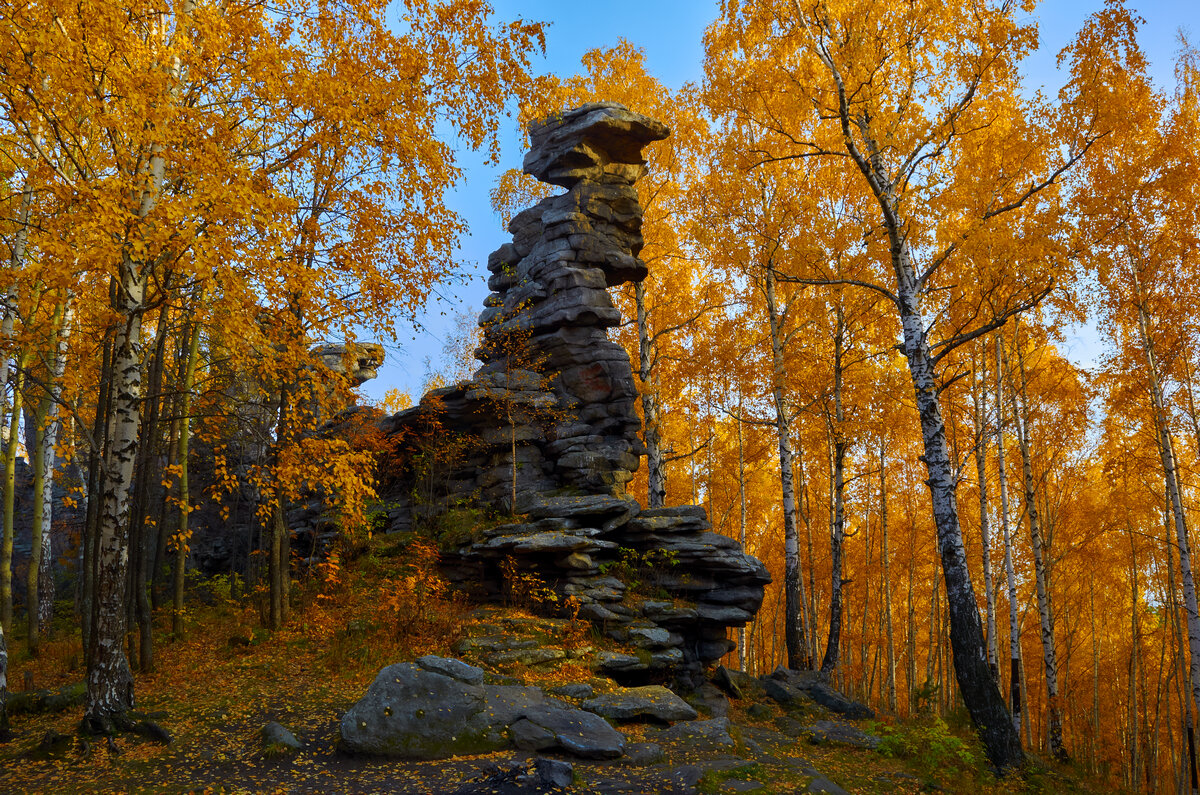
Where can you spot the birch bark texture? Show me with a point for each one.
(795, 632)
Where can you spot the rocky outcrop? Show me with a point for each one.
(547, 429)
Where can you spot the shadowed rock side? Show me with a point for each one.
(547, 428)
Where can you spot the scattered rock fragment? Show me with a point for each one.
(278, 740)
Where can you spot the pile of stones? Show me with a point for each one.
(547, 429)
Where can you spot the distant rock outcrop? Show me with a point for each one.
(547, 429)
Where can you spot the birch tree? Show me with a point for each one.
(921, 103)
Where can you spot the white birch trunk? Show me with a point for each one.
(979, 400)
(837, 524)
(655, 472)
(1014, 620)
(5, 735)
(979, 690)
(1167, 453)
(1041, 579)
(795, 629)
(16, 256)
(742, 521)
(49, 441)
(887, 579)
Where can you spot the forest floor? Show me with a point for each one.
(215, 689)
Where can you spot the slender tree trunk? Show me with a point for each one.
(837, 525)
(1095, 673)
(10, 489)
(655, 472)
(1045, 608)
(142, 541)
(5, 734)
(911, 667)
(183, 534)
(1167, 453)
(109, 680)
(45, 586)
(795, 632)
(741, 520)
(807, 596)
(886, 584)
(979, 400)
(279, 557)
(979, 691)
(87, 593)
(40, 525)
(1014, 621)
(1179, 630)
(1134, 671)
(16, 255)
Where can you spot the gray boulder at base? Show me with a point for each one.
(827, 731)
(416, 711)
(278, 737)
(455, 669)
(652, 702)
(788, 687)
(701, 735)
(823, 786)
(579, 733)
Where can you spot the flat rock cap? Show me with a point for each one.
(582, 142)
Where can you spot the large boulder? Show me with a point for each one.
(788, 687)
(570, 730)
(652, 702)
(438, 708)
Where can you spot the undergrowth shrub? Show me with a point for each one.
(929, 744)
(524, 588)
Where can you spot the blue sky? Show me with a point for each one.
(671, 33)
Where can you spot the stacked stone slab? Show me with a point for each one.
(550, 427)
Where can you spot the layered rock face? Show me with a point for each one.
(547, 429)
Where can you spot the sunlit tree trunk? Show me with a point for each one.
(1041, 579)
(795, 630)
(109, 681)
(10, 490)
(837, 526)
(16, 256)
(45, 597)
(1167, 453)
(741, 519)
(1134, 670)
(886, 584)
(1014, 621)
(1095, 674)
(655, 473)
(979, 401)
(911, 666)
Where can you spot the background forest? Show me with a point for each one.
(865, 239)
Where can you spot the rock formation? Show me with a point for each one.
(547, 428)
